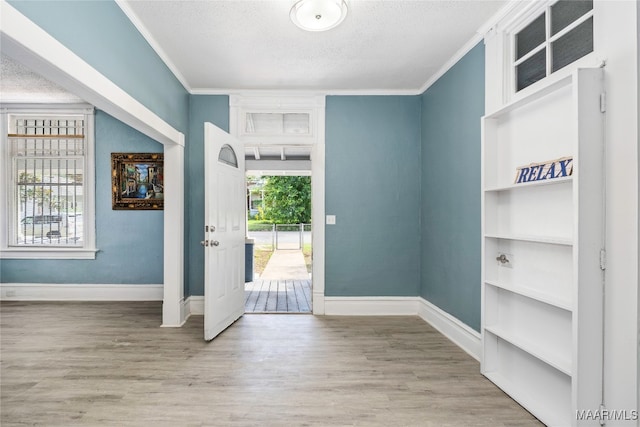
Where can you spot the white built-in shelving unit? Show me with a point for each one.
(542, 249)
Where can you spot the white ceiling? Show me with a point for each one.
(227, 46)
(383, 45)
(20, 84)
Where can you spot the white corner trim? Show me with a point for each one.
(195, 305)
(171, 319)
(79, 292)
(370, 306)
(460, 334)
(318, 302)
(135, 20)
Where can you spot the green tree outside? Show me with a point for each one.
(42, 196)
(287, 199)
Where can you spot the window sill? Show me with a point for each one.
(46, 253)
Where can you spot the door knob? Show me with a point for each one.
(204, 242)
(215, 243)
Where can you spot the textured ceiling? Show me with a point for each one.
(19, 84)
(229, 45)
(223, 46)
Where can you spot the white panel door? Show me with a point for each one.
(224, 230)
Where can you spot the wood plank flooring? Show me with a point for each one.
(278, 296)
(110, 364)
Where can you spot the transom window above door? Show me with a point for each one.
(278, 123)
(559, 36)
(279, 131)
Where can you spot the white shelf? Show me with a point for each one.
(534, 295)
(532, 239)
(538, 352)
(526, 185)
(544, 91)
(542, 319)
(528, 399)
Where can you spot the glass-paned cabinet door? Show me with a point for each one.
(259, 123)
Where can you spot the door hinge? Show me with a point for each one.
(603, 259)
(603, 102)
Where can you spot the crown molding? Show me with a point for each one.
(451, 62)
(478, 36)
(124, 5)
(310, 92)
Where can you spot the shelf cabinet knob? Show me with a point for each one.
(502, 258)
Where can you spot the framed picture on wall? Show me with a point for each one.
(137, 181)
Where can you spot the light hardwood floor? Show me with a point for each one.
(110, 364)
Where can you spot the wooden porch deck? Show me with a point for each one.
(278, 296)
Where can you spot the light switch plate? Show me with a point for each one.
(331, 219)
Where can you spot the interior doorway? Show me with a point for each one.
(284, 133)
(279, 243)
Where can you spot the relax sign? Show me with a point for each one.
(551, 169)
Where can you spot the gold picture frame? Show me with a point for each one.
(137, 181)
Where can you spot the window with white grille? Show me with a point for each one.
(49, 202)
(559, 36)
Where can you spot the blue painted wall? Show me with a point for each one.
(130, 242)
(402, 177)
(203, 108)
(450, 193)
(101, 34)
(373, 188)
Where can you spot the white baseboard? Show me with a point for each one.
(370, 306)
(340, 306)
(318, 303)
(460, 334)
(452, 328)
(195, 305)
(79, 292)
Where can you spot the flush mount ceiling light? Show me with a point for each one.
(318, 15)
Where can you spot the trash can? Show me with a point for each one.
(248, 260)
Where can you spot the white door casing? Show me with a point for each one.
(314, 104)
(224, 234)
